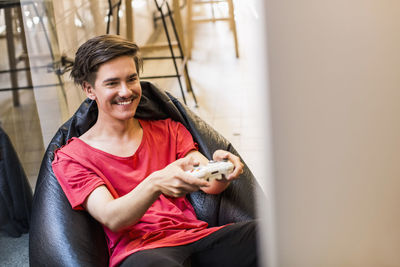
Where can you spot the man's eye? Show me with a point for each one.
(132, 79)
(111, 84)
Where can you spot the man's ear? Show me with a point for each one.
(89, 90)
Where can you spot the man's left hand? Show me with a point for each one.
(225, 155)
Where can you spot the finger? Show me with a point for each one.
(177, 193)
(235, 174)
(238, 170)
(187, 163)
(220, 155)
(189, 188)
(178, 187)
(192, 180)
(225, 155)
(238, 167)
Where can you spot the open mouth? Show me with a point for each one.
(125, 101)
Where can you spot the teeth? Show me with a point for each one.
(125, 102)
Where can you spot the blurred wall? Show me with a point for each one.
(77, 21)
(334, 85)
(56, 28)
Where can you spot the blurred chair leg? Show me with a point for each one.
(191, 20)
(177, 28)
(24, 48)
(11, 55)
(233, 26)
(179, 33)
(189, 28)
(130, 20)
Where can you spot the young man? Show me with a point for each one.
(130, 174)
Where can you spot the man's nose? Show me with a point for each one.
(124, 90)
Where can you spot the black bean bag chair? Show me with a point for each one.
(15, 191)
(60, 236)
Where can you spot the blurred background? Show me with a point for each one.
(334, 90)
(220, 46)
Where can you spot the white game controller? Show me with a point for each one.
(213, 170)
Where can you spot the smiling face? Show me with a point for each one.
(116, 89)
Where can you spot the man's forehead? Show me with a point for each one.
(111, 77)
(119, 66)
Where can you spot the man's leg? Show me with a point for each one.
(165, 257)
(233, 246)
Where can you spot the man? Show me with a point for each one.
(130, 174)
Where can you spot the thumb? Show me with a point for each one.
(187, 163)
(220, 155)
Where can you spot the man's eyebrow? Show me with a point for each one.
(133, 75)
(110, 80)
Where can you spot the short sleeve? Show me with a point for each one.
(184, 140)
(76, 180)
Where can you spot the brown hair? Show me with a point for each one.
(99, 50)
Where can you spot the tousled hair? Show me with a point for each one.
(99, 50)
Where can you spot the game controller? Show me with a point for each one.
(213, 170)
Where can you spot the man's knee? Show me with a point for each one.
(235, 246)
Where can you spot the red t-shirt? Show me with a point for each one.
(169, 221)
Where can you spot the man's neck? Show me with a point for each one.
(119, 138)
(116, 129)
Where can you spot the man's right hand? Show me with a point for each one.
(117, 214)
(173, 180)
